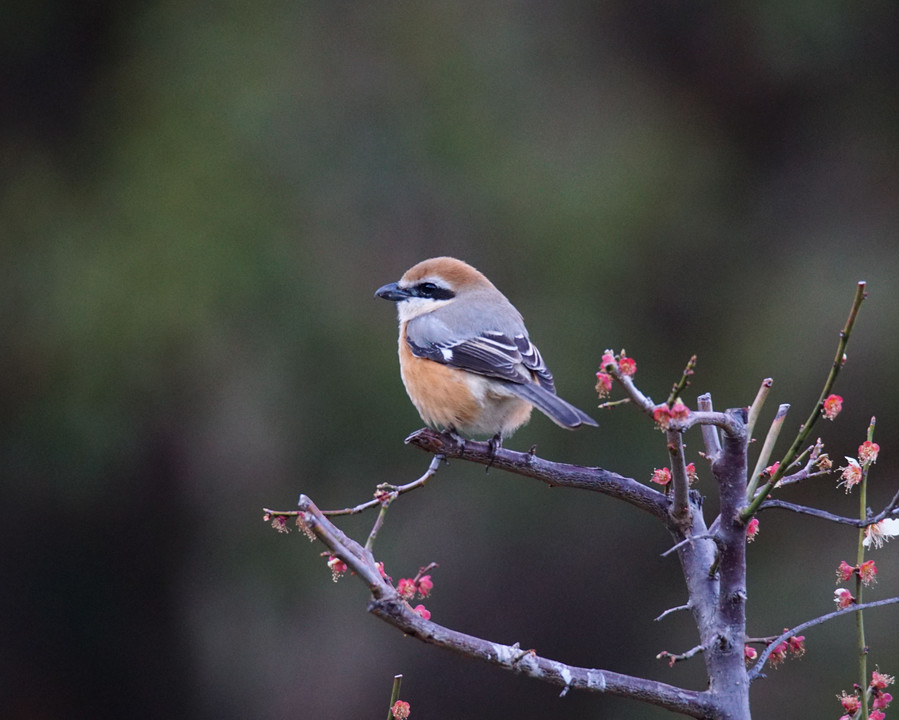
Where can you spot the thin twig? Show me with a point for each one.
(394, 490)
(383, 493)
(394, 694)
(806, 429)
(767, 449)
(682, 382)
(672, 610)
(756, 408)
(672, 658)
(376, 528)
(851, 610)
(685, 541)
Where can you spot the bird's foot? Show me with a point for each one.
(493, 445)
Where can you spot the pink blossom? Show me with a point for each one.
(692, 475)
(843, 598)
(832, 406)
(867, 452)
(752, 529)
(852, 474)
(779, 654)
(867, 571)
(880, 680)
(338, 567)
(679, 411)
(627, 366)
(662, 416)
(661, 476)
(603, 384)
(851, 703)
(400, 710)
(425, 585)
(406, 588)
(845, 571)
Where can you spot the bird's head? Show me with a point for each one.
(432, 284)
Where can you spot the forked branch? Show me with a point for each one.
(389, 605)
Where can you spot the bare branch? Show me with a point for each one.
(888, 511)
(552, 473)
(767, 448)
(709, 433)
(756, 408)
(680, 510)
(672, 658)
(756, 670)
(392, 491)
(388, 605)
(672, 610)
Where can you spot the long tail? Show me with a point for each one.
(562, 413)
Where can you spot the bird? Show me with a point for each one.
(466, 359)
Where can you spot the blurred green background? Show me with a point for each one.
(198, 202)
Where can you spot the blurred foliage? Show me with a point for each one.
(197, 205)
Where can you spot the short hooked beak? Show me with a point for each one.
(392, 292)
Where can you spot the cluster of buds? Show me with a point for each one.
(853, 473)
(610, 364)
(867, 572)
(793, 646)
(419, 586)
(880, 698)
(663, 415)
(410, 587)
(662, 476)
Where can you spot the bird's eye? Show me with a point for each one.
(432, 291)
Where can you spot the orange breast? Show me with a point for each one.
(440, 393)
(450, 397)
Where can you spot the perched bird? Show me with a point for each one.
(465, 356)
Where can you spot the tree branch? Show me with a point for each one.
(552, 473)
(888, 511)
(756, 670)
(680, 511)
(388, 605)
(709, 432)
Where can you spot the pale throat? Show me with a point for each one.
(413, 307)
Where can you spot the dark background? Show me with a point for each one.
(198, 201)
